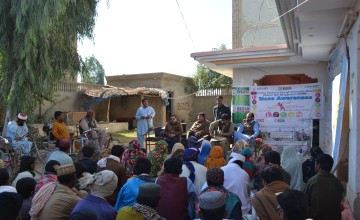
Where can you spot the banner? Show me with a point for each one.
(287, 132)
(302, 101)
(240, 103)
(284, 112)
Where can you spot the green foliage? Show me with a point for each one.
(206, 78)
(93, 72)
(38, 43)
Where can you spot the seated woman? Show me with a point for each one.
(248, 166)
(215, 158)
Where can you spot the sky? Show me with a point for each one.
(143, 36)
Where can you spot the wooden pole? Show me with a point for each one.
(108, 111)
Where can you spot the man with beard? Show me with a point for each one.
(173, 131)
(17, 132)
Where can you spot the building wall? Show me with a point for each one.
(65, 101)
(247, 76)
(353, 186)
(179, 88)
(252, 26)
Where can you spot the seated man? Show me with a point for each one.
(248, 130)
(173, 131)
(97, 134)
(146, 202)
(224, 129)
(17, 132)
(212, 205)
(61, 155)
(198, 130)
(265, 202)
(59, 129)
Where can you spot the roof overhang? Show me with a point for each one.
(313, 29)
(226, 60)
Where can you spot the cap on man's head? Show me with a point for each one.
(22, 116)
(90, 113)
(65, 169)
(236, 156)
(64, 143)
(212, 200)
(219, 97)
(149, 190)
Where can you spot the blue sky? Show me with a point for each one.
(142, 36)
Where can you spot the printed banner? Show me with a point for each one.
(287, 132)
(284, 112)
(240, 103)
(303, 101)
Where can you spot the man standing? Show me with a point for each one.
(59, 129)
(199, 129)
(144, 117)
(17, 131)
(324, 191)
(220, 108)
(173, 131)
(248, 130)
(97, 134)
(224, 131)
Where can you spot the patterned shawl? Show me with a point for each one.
(131, 155)
(157, 157)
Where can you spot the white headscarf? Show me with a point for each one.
(291, 163)
(100, 184)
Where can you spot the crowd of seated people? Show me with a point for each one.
(129, 184)
(173, 181)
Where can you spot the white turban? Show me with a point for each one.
(100, 184)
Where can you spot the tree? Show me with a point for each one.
(207, 78)
(93, 72)
(38, 46)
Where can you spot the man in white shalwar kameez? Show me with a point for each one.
(144, 117)
(238, 181)
(17, 131)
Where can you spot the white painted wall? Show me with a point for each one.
(353, 187)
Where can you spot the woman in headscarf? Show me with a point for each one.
(204, 154)
(291, 163)
(157, 157)
(130, 155)
(101, 185)
(308, 167)
(177, 151)
(176, 147)
(216, 158)
(248, 166)
(193, 170)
